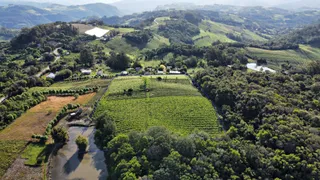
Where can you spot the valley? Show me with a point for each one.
(196, 92)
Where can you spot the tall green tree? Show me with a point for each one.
(86, 57)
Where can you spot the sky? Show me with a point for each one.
(233, 2)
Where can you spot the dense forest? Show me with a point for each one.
(307, 35)
(180, 31)
(7, 34)
(272, 132)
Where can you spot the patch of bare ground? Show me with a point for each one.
(35, 120)
(20, 171)
(82, 27)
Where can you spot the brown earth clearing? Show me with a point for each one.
(35, 120)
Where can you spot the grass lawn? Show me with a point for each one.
(152, 63)
(36, 153)
(172, 102)
(73, 85)
(122, 30)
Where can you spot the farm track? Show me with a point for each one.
(55, 52)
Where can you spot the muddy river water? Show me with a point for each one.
(67, 165)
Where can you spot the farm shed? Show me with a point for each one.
(174, 72)
(86, 71)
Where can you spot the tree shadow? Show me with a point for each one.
(73, 162)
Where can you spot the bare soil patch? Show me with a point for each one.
(19, 171)
(35, 120)
(82, 27)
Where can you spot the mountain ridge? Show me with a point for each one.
(19, 16)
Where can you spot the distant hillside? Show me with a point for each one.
(27, 3)
(308, 35)
(301, 4)
(82, 11)
(266, 22)
(19, 16)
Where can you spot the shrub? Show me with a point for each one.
(60, 135)
(82, 143)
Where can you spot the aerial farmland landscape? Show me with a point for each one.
(159, 90)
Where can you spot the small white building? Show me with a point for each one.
(124, 73)
(51, 76)
(86, 71)
(174, 72)
(160, 72)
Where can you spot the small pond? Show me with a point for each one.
(67, 165)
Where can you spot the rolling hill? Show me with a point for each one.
(19, 16)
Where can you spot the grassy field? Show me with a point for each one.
(119, 44)
(157, 41)
(172, 102)
(73, 85)
(36, 153)
(15, 137)
(121, 30)
(9, 151)
(212, 31)
(295, 57)
(206, 38)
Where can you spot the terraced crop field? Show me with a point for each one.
(295, 57)
(171, 102)
(212, 31)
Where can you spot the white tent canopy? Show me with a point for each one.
(98, 32)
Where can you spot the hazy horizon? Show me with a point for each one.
(226, 2)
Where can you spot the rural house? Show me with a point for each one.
(86, 71)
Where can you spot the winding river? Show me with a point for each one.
(67, 165)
